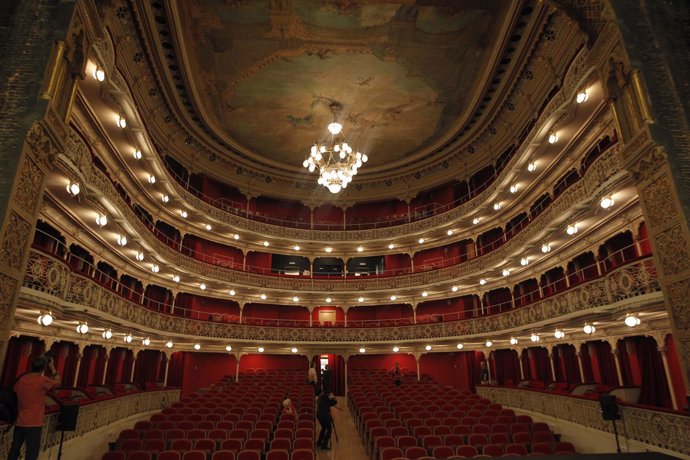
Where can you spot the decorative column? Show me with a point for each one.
(617, 358)
(414, 312)
(553, 365)
(168, 357)
(580, 358)
(417, 356)
(346, 356)
(241, 304)
(80, 357)
(237, 366)
(522, 367)
(134, 364)
(311, 315)
(108, 350)
(345, 309)
(661, 347)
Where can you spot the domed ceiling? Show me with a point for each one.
(264, 74)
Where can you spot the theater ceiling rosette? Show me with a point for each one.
(263, 75)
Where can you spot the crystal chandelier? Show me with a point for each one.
(336, 160)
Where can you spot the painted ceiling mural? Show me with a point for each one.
(266, 72)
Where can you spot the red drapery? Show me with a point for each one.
(176, 369)
(21, 351)
(606, 363)
(654, 388)
(506, 367)
(542, 364)
(336, 364)
(568, 364)
(586, 363)
(146, 367)
(66, 356)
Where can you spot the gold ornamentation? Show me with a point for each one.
(14, 241)
(671, 247)
(679, 298)
(29, 181)
(658, 201)
(41, 144)
(649, 165)
(8, 288)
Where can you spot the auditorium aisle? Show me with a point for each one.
(349, 445)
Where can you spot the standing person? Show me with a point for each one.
(483, 373)
(323, 414)
(397, 376)
(326, 379)
(31, 391)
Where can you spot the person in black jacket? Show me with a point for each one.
(323, 414)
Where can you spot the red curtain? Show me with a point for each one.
(176, 369)
(88, 362)
(607, 363)
(526, 364)
(624, 359)
(542, 363)
(66, 356)
(569, 367)
(506, 368)
(21, 351)
(336, 364)
(146, 367)
(586, 364)
(654, 388)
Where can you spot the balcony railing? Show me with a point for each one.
(656, 428)
(54, 277)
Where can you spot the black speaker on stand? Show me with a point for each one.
(609, 411)
(67, 421)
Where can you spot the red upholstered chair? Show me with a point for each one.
(442, 430)
(524, 419)
(304, 432)
(516, 449)
(403, 442)
(169, 455)
(114, 455)
(207, 445)
(194, 455)
(154, 445)
(257, 444)
(232, 444)
(205, 425)
(522, 438)
(477, 440)
(464, 430)
(467, 451)
(388, 453)
(431, 441)
(249, 455)
(143, 425)
(420, 431)
(166, 425)
(453, 440)
(196, 434)
(479, 428)
(543, 436)
(175, 434)
(540, 426)
(223, 455)
(398, 431)
(277, 455)
(186, 425)
(493, 450)
(499, 438)
(129, 434)
(563, 447)
(381, 443)
(303, 444)
(442, 452)
(181, 444)
(225, 425)
(302, 454)
(239, 433)
(413, 453)
(542, 447)
(130, 445)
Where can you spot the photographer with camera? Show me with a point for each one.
(323, 414)
(31, 389)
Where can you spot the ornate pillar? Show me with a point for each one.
(237, 366)
(241, 305)
(414, 312)
(553, 365)
(168, 357)
(311, 314)
(135, 352)
(616, 358)
(80, 357)
(417, 356)
(522, 367)
(108, 350)
(345, 309)
(34, 42)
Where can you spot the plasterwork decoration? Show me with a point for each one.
(673, 251)
(41, 144)
(8, 288)
(79, 154)
(657, 198)
(627, 282)
(649, 165)
(657, 429)
(679, 298)
(29, 181)
(14, 241)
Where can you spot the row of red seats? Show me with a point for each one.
(304, 454)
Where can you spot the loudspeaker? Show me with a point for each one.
(67, 418)
(609, 408)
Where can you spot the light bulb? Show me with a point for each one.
(454, 289)
(360, 300)
(534, 338)
(231, 292)
(513, 341)
(546, 248)
(497, 206)
(137, 154)
(362, 350)
(607, 202)
(165, 198)
(169, 344)
(121, 122)
(482, 281)
(202, 286)
(571, 230)
(297, 248)
(524, 261)
(328, 300)
(553, 138)
(101, 220)
(266, 244)
(475, 221)
(531, 166)
(391, 246)
(176, 278)
(261, 349)
(428, 348)
(505, 272)
(459, 346)
(183, 214)
(139, 256)
(146, 342)
(263, 296)
(559, 334)
(228, 348)
(99, 74)
(489, 344)
(73, 188)
(329, 250)
(237, 236)
(155, 268)
(107, 334)
(589, 328)
(360, 249)
(295, 299)
(335, 128)
(394, 298)
(424, 294)
(151, 179)
(46, 319)
(581, 97)
(396, 349)
(128, 338)
(208, 227)
(449, 232)
(293, 349)
(421, 241)
(632, 321)
(513, 188)
(197, 346)
(121, 240)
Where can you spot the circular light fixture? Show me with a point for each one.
(482, 281)
(82, 328)
(362, 350)
(360, 249)
(531, 166)
(449, 232)
(459, 346)
(571, 230)
(151, 179)
(146, 342)
(261, 349)
(208, 227)
(107, 334)
(559, 334)
(293, 349)
(137, 154)
(513, 188)
(396, 349)
(237, 237)
(335, 128)
(421, 241)
(128, 338)
(424, 294)
(231, 292)
(360, 300)
(328, 300)
(454, 289)
(176, 278)
(169, 344)
(475, 221)
(267, 244)
(546, 248)
(297, 248)
(329, 249)
(263, 296)
(513, 341)
(165, 198)
(155, 268)
(73, 188)
(197, 346)
(139, 256)
(553, 138)
(393, 297)
(607, 202)
(228, 348)
(202, 286)
(99, 73)
(534, 337)
(497, 206)
(121, 121)
(295, 299)
(505, 272)
(121, 240)
(428, 348)
(391, 246)
(581, 97)
(101, 220)
(589, 329)
(524, 261)
(183, 214)
(489, 344)
(632, 320)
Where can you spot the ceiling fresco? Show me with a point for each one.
(265, 73)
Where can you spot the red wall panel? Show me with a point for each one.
(407, 362)
(268, 361)
(204, 369)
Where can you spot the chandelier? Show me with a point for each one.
(336, 160)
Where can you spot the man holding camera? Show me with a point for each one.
(323, 414)
(31, 391)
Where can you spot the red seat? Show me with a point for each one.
(493, 450)
(516, 449)
(414, 453)
(139, 455)
(277, 455)
(453, 440)
(381, 443)
(285, 433)
(442, 452)
(223, 455)
(431, 441)
(303, 444)
(540, 426)
(249, 455)
(542, 447)
(207, 445)
(543, 436)
(256, 444)
(467, 451)
(114, 455)
(131, 444)
(154, 445)
(477, 440)
(169, 455)
(479, 428)
(196, 434)
(281, 444)
(232, 444)
(302, 454)
(129, 434)
(389, 453)
(564, 447)
(181, 444)
(143, 425)
(194, 455)
(522, 438)
(403, 442)
(499, 438)
(442, 430)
